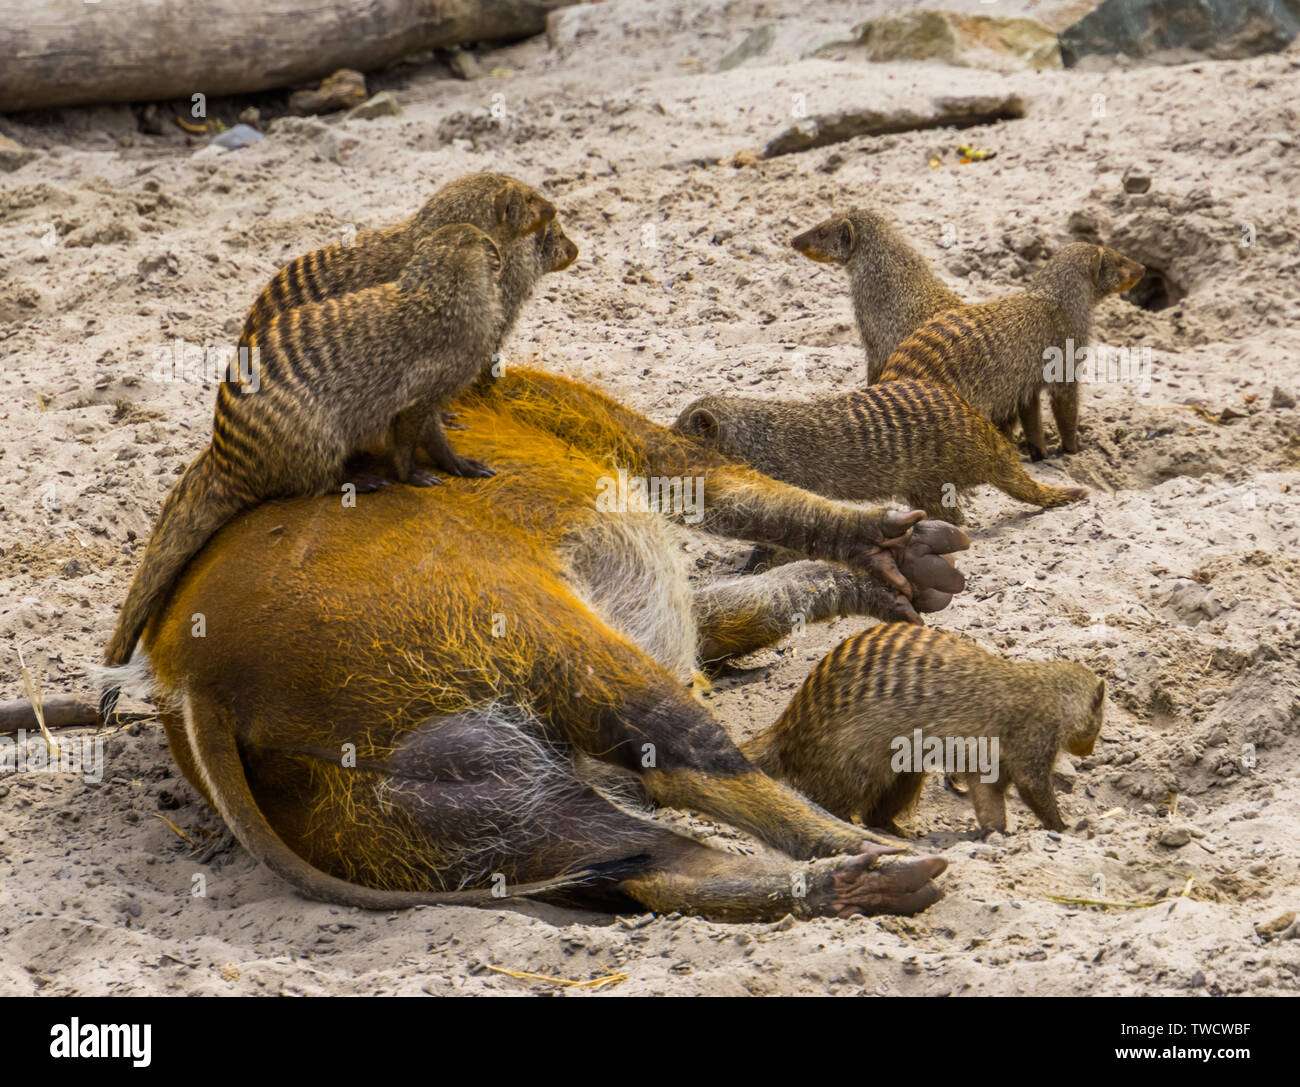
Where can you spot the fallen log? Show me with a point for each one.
(960, 112)
(76, 52)
(61, 711)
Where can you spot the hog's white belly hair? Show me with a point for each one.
(630, 569)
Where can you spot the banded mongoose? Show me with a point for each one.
(839, 738)
(502, 207)
(893, 290)
(421, 426)
(995, 355)
(330, 375)
(903, 439)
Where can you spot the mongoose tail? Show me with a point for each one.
(200, 503)
(1008, 475)
(211, 735)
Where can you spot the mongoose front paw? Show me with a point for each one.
(468, 468)
(422, 477)
(366, 482)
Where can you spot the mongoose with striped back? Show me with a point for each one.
(893, 290)
(995, 355)
(902, 439)
(855, 715)
(555, 638)
(330, 374)
(420, 427)
(502, 207)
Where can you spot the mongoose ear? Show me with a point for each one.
(506, 195)
(1098, 260)
(1099, 695)
(703, 424)
(844, 238)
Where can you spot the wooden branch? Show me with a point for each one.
(61, 711)
(73, 52)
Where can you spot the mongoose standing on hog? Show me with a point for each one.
(904, 439)
(421, 425)
(995, 355)
(502, 207)
(894, 292)
(330, 375)
(839, 738)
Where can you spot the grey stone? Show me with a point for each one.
(384, 104)
(1136, 180)
(13, 154)
(239, 136)
(757, 42)
(1172, 29)
(963, 39)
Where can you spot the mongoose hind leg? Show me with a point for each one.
(1035, 789)
(1031, 422)
(1065, 410)
(898, 799)
(990, 803)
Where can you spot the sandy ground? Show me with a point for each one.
(1179, 581)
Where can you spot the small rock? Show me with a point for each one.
(1196, 981)
(976, 41)
(1279, 923)
(1084, 225)
(234, 138)
(343, 90)
(1027, 242)
(309, 130)
(784, 925)
(1175, 837)
(13, 154)
(757, 42)
(251, 116)
(833, 162)
(167, 262)
(464, 65)
(1281, 399)
(383, 104)
(1064, 775)
(1137, 180)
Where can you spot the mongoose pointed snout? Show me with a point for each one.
(565, 252)
(828, 242)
